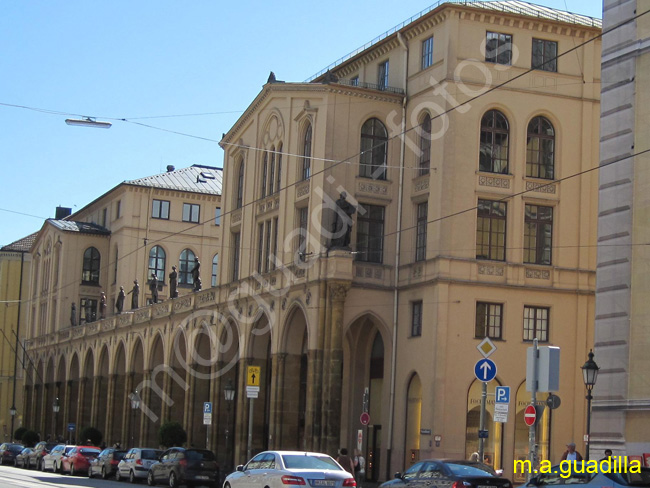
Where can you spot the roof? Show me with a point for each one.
(516, 7)
(81, 227)
(197, 178)
(24, 244)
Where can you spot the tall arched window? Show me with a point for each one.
(272, 172)
(425, 144)
(278, 173)
(215, 269)
(540, 149)
(306, 153)
(493, 156)
(374, 140)
(240, 185)
(91, 266)
(157, 259)
(185, 265)
(265, 170)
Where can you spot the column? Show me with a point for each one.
(94, 409)
(145, 421)
(127, 418)
(216, 397)
(66, 408)
(41, 421)
(81, 404)
(110, 398)
(188, 416)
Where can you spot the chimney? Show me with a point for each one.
(62, 212)
(170, 168)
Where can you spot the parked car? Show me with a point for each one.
(78, 459)
(177, 466)
(53, 460)
(9, 451)
(564, 476)
(106, 463)
(40, 450)
(277, 469)
(454, 474)
(135, 465)
(22, 459)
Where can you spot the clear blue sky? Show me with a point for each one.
(144, 58)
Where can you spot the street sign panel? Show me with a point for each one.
(207, 413)
(71, 427)
(486, 347)
(207, 407)
(252, 391)
(501, 412)
(502, 394)
(365, 418)
(253, 374)
(485, 370)
(530, 415)
(482, 434)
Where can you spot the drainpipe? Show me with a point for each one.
(398, 241)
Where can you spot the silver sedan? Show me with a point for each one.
(277, 469)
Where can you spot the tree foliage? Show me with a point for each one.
(29, 438)
(171, 434)
(91, 434)
(20, 431)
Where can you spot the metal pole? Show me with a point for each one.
(589, 397)
(532, 451)
(207, 436)
(481, 440)
(250, 427)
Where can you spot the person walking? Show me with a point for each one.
(571, 454)
(345, 461)
(359, 467)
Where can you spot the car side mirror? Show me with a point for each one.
(240, 467)
(398, 476)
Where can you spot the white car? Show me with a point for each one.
(276, 469)
(53, 461)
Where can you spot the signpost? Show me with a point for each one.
(485, 370)
(207, 421)
(365, 418)
(530, 415)
(253, 374)
(501, 405)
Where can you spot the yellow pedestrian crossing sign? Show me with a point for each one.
(253, 374)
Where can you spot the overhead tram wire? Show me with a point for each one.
(348, 159)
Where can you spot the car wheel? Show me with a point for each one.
(72, 472)
(39, 465)
(117, 476)
(132, 478)
(104, 473)
(150, 480)
(173, 482)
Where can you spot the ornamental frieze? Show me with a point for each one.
(541, 187)
(236, 216)
(374, 187)
(538, 274)
(302, 189)
(77, 332)
(490, 270)
(205, 298)
(183, 303)
(141, 315)
(160, 310)
(494, 181)
(421, 184)
(124, 320)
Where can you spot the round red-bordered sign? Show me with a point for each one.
(530, 415)
(365, 418)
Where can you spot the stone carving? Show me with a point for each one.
(302, 189)
(367, 187)
(417, 271)
(486, 269)
(160, 310)
(539, 274)
(236, 216)
(141, 315)
(541, 187)
(421, 185)
(494, 181)
(182, 303)
(204, 298)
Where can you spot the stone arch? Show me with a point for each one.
(159, 371)
(118, 384)
(178, 385)
(135, 370)
(201, 355)
(413, 419)
(226, 375)
(493, 446)
(259, 354)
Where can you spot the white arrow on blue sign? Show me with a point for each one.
(502, 394)
(485, 370)
(207, 407)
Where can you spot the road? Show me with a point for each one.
(11, 477)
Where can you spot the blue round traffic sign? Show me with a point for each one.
(485, 370)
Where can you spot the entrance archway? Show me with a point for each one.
(493, 445)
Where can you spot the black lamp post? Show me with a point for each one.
(135, 405)
(590, 374)
(229, 395)
(12, 412)
(55, 408)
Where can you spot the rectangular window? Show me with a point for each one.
(118, 209)
(421, 232)
(491, 230)
(275, 243)
(267, 247)
(370, 234)
(160, 209)
(236, 238)
(104, 214)
(302, 234)
(536, 323)
(538, 234)
(498, 48)
(217, 216)
(191, 212)
(88, 310)
(416, 318)
(382, 75)
(265, 169)
(489, 319)
(427, 52)
(544, 55)
(272, 175)
(354, 81)
(260, 247)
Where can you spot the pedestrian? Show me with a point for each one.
(345, 461)
(359, 467)
(608, 455)
(474, 457)
(571, 454)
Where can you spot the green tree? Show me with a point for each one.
(20, 431)
(29, 438)
(91, 434)
(171, 434)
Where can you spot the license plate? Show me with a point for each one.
(202, 477)
(486, 486)
(324, 483)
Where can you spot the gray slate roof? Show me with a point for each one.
(81, 227)
(197, 179)
(532, 10)
(24, 244)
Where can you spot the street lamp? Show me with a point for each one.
(55, 408)
(590, 374)
(229, 395)
(135, 405)
(12, 412)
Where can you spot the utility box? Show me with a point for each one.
(548, 368)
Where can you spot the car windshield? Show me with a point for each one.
(150, 454)
(192, 455)
(49, 446)
(637, 479)
(68, 449)
(16, 448)
(301, 461)
(117, 455)
(87, 452)
(470, 469)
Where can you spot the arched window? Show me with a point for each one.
(240, 185)
(278, 173)
(185, 265)
(265, 170)
(215, 269)
(306, 153)
(272, 171)
(425, 144)
(540, 149)
(91, 266)
(493, 445)
(157, 259)
(374, 140)
(493, 156)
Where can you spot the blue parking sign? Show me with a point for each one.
(502, 394)
(207, 407)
